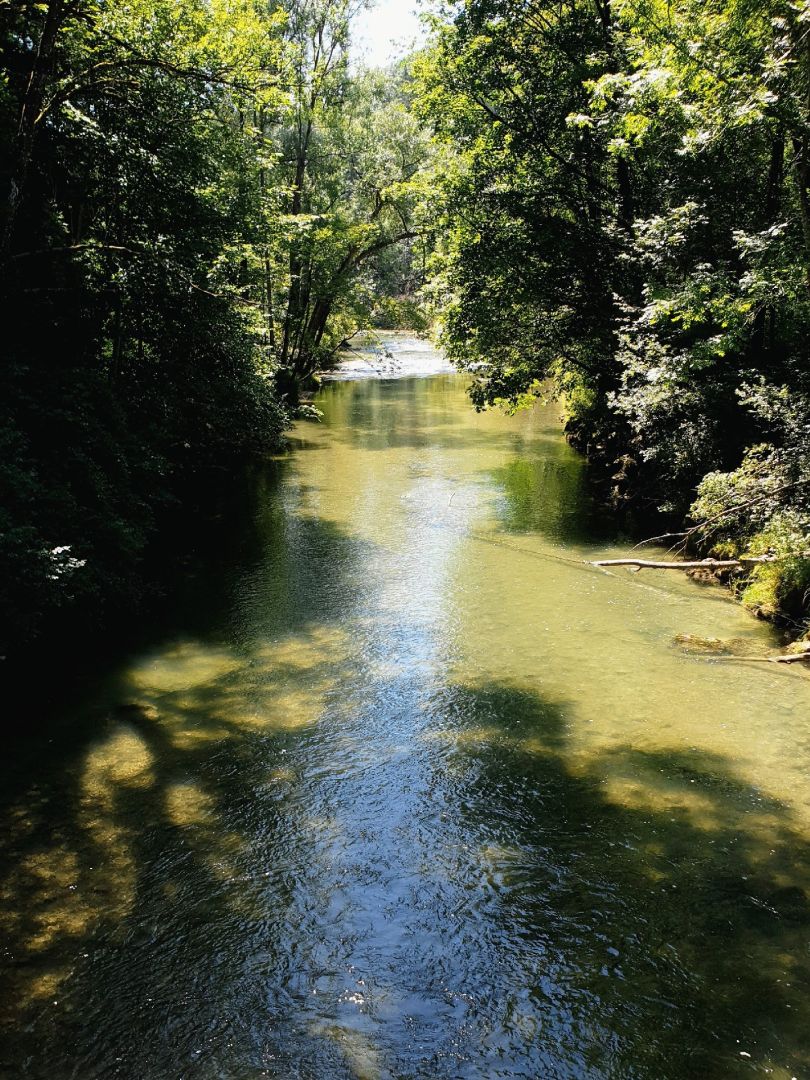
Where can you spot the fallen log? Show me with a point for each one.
(789, 658)
(701, 564)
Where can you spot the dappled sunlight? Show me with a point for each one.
(701, 811)
(66, 893)
(609, 648)
(200, 694)
(706, 800)
(123, 759)
(178, 705)
(51, 877)
(182, 666)
(679, 842)
(188, 806)
(304, 652)
(87, 873)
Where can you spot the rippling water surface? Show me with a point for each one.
(415, 793)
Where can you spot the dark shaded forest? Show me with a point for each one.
(199, 203)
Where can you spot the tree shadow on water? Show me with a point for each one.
(151, 851)
(161, 865)
(651, 910)
(192, 890)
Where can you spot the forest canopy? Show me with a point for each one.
(199, 202)
(202, 200)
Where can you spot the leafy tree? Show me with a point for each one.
(534, 208)
(628, 218)
(197, 199)
(130, 359)
(353, 160)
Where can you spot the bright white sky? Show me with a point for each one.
(388, 31)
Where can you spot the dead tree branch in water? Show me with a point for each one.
(700, 564)
(786, 658)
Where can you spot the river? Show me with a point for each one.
(409, 790)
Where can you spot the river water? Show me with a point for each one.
(408, 790)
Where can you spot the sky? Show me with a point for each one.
(386, 32)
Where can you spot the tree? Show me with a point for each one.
(353, 158)
(529, 262)
(628, 219)
(130, 359)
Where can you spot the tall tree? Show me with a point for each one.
(353, 159)
(129, 350)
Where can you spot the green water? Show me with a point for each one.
(413, 792)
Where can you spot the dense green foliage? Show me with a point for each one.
(629, 216)
(354, 162)
(126, 180)
(196, 196)
(201, 200)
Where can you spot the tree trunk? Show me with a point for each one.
(320, 318)
(802, 174)
(271, 316)
(30, 112)
(700, 564)
(764, 329)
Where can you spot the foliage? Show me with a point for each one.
(400, 313)
(200, 202)
(629, 217)
(355, 163)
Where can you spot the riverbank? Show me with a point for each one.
(772, 575)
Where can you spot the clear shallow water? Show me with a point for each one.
(389, 355)
(415, 793)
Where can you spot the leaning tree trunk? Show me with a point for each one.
(31, 108)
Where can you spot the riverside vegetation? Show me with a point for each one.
(628, 215)
(198, 199)
(203, 200)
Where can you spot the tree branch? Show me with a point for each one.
(700, 564)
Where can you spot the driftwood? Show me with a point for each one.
(788, 658)
(702, 564)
